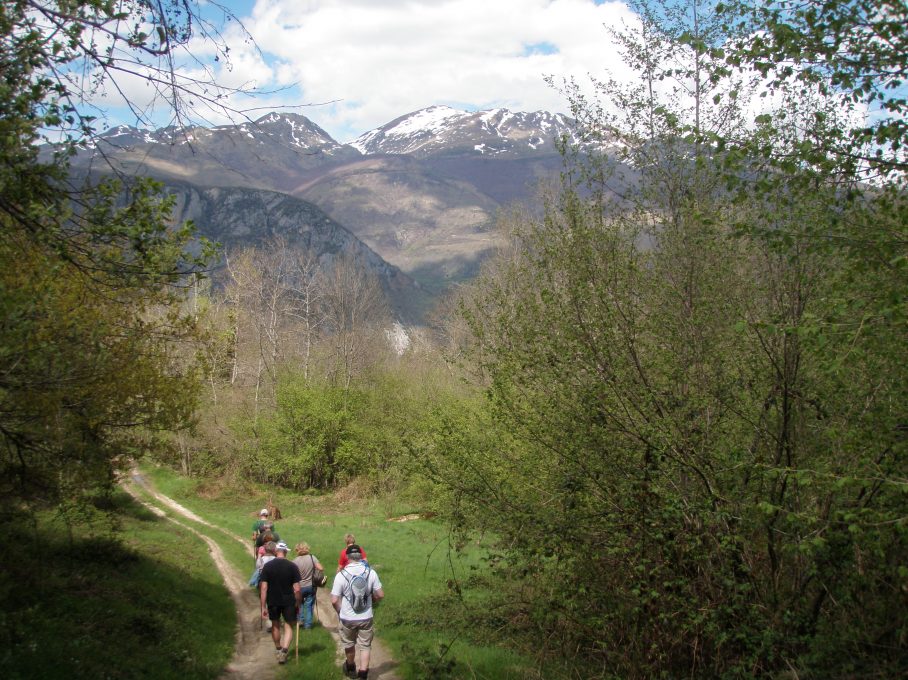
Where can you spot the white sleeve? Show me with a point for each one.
(337, 588)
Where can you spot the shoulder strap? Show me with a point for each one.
(347, 591)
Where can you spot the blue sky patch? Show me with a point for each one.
(539, 48)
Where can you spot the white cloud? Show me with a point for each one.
(384, 58)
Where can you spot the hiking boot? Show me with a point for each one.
(282, 656)
(350, 670)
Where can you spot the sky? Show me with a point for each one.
(353, 65)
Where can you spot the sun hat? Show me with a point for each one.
(263, 511)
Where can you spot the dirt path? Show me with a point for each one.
(254, 651)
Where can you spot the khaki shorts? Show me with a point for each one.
(359, 633)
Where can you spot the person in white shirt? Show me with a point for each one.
(356, 588)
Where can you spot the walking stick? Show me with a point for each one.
(297, 652)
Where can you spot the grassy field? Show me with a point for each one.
(145, 602)
(432, 591)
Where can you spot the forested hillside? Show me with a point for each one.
(671, 412)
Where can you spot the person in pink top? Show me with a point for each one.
(343, 560)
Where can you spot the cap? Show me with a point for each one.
(282, 546)
(354, 550)
(263, 511)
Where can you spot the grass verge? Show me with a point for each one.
(87, 601)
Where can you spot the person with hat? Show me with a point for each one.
(280, 597)
(263, 531)
(257, 528)
(356, 588)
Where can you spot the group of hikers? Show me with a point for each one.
(287, 590)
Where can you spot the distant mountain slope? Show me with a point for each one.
(272, 152)
(421, 192)
(237, 217)
(435, 228)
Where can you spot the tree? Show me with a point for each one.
(93, 277)
(702, 390)
(307, 306)
(261, 291)
(88, 361)
(356, 312)
(854, 51)
(72, 51)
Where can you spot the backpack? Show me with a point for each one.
(359, 596)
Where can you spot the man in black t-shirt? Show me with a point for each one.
(280, 596)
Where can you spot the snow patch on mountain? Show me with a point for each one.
(442, 129)
(124, 136)
(433, 120)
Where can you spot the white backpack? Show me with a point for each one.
(359, 593)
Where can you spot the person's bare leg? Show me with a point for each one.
(287, 637)
(351, 655)
(364, 659)
(276, 633)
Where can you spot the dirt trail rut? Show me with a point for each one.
(254, 655)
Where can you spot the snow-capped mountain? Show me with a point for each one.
(421, 192)
(444, 130)
(289, 130)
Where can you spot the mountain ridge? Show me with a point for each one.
(422, 191)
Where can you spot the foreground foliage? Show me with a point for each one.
(697, 388)
(90, 277)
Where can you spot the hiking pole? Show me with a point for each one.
(297, 653)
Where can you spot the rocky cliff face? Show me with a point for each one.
(236, 217)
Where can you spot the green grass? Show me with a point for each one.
(433, 593)
(317, 650)
(147, 602)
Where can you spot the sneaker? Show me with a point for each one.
(282, 656)
(350, 671)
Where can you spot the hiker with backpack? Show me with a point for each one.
(313, 576)
(280, 598)
(260, 527)
(267, 534)
(356, 589)
(263, 559)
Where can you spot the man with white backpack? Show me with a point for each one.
(356, 588)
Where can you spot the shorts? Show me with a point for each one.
(288, 611)
(359, 633)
